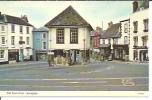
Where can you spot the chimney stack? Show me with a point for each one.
(135, 6)
(24, 17)
(110, 24)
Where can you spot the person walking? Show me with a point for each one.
(49, 60)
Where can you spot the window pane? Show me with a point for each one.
(73, 35)
(60, 36)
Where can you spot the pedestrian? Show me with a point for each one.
(52, 60)
(49, 60)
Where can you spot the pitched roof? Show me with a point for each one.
(41, 29)
(14, 20)
(68, 17)
(112, 32)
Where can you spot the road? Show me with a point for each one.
(96, 76)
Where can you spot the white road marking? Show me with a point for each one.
(80, 78)
(128, 82)
(99, 70)
(64, 85)
(86, 82)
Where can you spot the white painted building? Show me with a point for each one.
(139, 31)
(69, 35)
(3, 42)
(18, 37)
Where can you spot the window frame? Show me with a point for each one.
(146, 24)
(2, 52)
(27, 30)
(3, 28)
(21, 29)
(12, 40)
(125, 39)
(74, 36)
(13, 28)
(27, 40)
(3, 40)
(60, 36)
(44, 45)
(126, 27)
(135, 25)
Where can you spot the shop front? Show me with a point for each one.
(105, 51)
(41, 55)
(13, 55)
(141, 53)
(121, 52)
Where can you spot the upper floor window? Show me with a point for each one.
(73, 35)
(1, 53)
(27, 30)
(103, 41)
(13, 28)
(3, 40)
(115, 41)
(44, 45)
(27, 40)
(135, 41)
(60, 36)
(125, 40)
(125, 27)
(21, 38)
(135, 24)
(44, 35)
(145, 22)
(109, 41)
(21, 29)
(2, 28)
(144, 40)
(12, 40)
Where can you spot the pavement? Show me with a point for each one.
(94, 76)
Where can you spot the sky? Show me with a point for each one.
(94, 12)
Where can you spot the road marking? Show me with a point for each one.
(44, 66)
(128, 82)
(86, 82)
(81, 78)
(66, 86)
(101, 70)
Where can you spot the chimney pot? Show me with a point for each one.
(135, 6)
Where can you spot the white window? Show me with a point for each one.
(125, 40)
(103, 41)
(13, 28)
(44, 45)
(12, 40)
(27, 30)
(2, 28)
(73, 35)
(27, 40)
(43, 35)
(60, 36)
(136, 41)
(145, 22)
(1, 53)
(21, 38)
(125, 27)
(109, 41)
(115, 41)
(21, 29)
(3, 40)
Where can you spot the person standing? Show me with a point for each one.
(49, 60)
